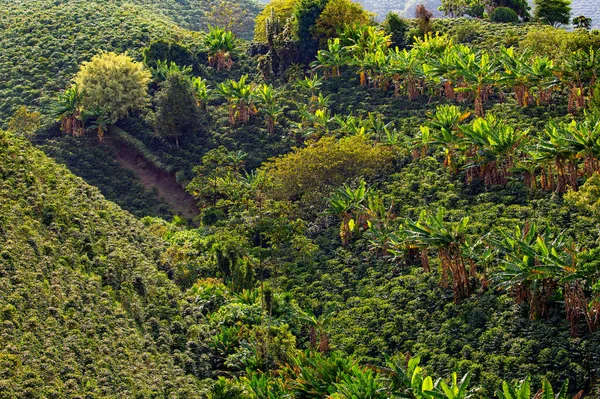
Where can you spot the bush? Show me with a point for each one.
(326, 164)
(504, 15)
(468, 32)
(558, 43)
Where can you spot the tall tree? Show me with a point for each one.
(177, 111)
(307, 12)
(553, 12)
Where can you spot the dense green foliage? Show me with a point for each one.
(177, 109)
(398, 210)
(553, 12)
(504, 14)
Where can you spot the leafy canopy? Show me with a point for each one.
(113, 83)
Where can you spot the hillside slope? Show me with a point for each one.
(43, 42)
(80, 290)
(196, 14)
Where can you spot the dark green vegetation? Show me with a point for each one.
(380, 222)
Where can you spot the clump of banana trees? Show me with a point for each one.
(69, 112)
(442, 129)
(581, 301)
(488, 146)
(579, 74)
(331, 60)
(220, 44)
(494, 151)
(533, 263)
(241, 99)
(563, 148)
(458, 72)
(492, 148)
(431, 233)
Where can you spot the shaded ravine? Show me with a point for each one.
(153, 178)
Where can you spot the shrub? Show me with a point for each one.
(326, 164)
(504, 15)
(558, 43)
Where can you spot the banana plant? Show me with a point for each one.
(262, 386)
(433, 44)
(240, 97)
(363, 39)
(478, 72)
(544, 78)
(332, 59)
(579, 72)
(493, 146)
(365, 64)
(431, 232)
(314, 124)
(586, 135)
(406, 71)
(361, 383)
(318, 335)
(546, 392)
(220, 45)
(407, 380)
(100, 123)
(201, 90)
(533, 263)
(163, 69)
(311, 85)
(520, 390)
(351, 125)
(69, 111)
(379, 220)
(515, 73)
(457, 389)
(443, 71)
(269, 105)
(443, 129)
(312, 374)
(347, 203)
(557, 154)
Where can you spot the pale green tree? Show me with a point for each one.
(114, 83)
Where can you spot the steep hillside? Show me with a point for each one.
(197, 14)
(80, 290)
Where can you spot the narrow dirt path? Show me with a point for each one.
(182, 203)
